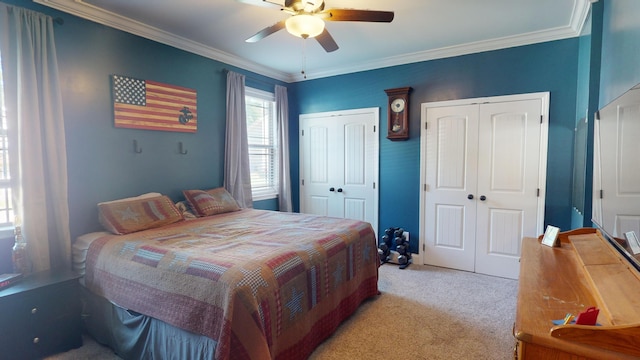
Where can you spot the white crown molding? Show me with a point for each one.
(87, 11)
(445, 52)
(580, 13)
(101, 16)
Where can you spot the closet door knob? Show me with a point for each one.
(332, 189)
(483, 198)
(339, 189)
(470, 196)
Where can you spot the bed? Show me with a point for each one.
(240, 284)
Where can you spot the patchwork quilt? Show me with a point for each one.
(262, 284)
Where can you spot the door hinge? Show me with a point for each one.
(601, 194)
(302, 182)
(598, 115)
(538, 194)
(374, 128)
(426, 125)
(423, 248)
(374, 184)
(424, 187)
(541, 118)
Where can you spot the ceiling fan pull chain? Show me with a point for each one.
(304, 58)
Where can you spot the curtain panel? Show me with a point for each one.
(284, 179)
(237, 171)
(35, 128)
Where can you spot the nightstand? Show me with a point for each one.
(40, 315)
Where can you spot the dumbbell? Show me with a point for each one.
(383, 252)
(403, 249)
(386, 240)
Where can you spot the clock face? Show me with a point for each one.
(397, 105)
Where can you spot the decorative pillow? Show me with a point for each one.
(211, 202)
(136, 214)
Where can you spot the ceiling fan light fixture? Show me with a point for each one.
(304, 26)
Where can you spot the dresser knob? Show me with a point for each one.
(36, 340)
(34, 311)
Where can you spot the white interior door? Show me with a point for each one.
(508, 164)
(619, 179)
(339, 164)
(317, 153)
(451, 170)
(482, 169)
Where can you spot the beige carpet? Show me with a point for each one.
(424, 312)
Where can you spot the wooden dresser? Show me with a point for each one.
(584, 271)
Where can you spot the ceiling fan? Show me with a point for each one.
(307, 20)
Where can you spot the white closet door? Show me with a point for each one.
(339, 164)
(318, 155)
(508, 161)
(482, 169)
(451, 170)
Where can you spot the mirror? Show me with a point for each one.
(616, 172)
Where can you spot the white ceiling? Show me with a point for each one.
(421, 30)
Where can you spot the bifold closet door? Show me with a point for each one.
(338, 163)
(481, 192)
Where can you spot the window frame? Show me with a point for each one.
(271, 190)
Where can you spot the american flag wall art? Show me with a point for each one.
(150, 105)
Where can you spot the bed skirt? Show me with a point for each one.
(135, 336)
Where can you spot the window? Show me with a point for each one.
(263, 146)
(6, 209)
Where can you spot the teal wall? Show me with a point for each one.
(550, 66)
(102, 165)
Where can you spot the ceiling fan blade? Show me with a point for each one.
(263, 3)
(266, 32)
(326, 41)
(358, 15)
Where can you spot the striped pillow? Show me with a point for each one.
(211, 202)
(127, 216)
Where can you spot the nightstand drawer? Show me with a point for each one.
(40, 317)
(45, 303)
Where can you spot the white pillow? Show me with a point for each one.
(143, 196)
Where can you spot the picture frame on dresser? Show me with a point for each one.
(550, 237)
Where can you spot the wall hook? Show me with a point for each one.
(136, 149)
(181, 150)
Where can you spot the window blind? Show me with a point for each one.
(262, 140)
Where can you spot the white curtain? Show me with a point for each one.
(282, 117)
(237, 173)
(35, 127)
